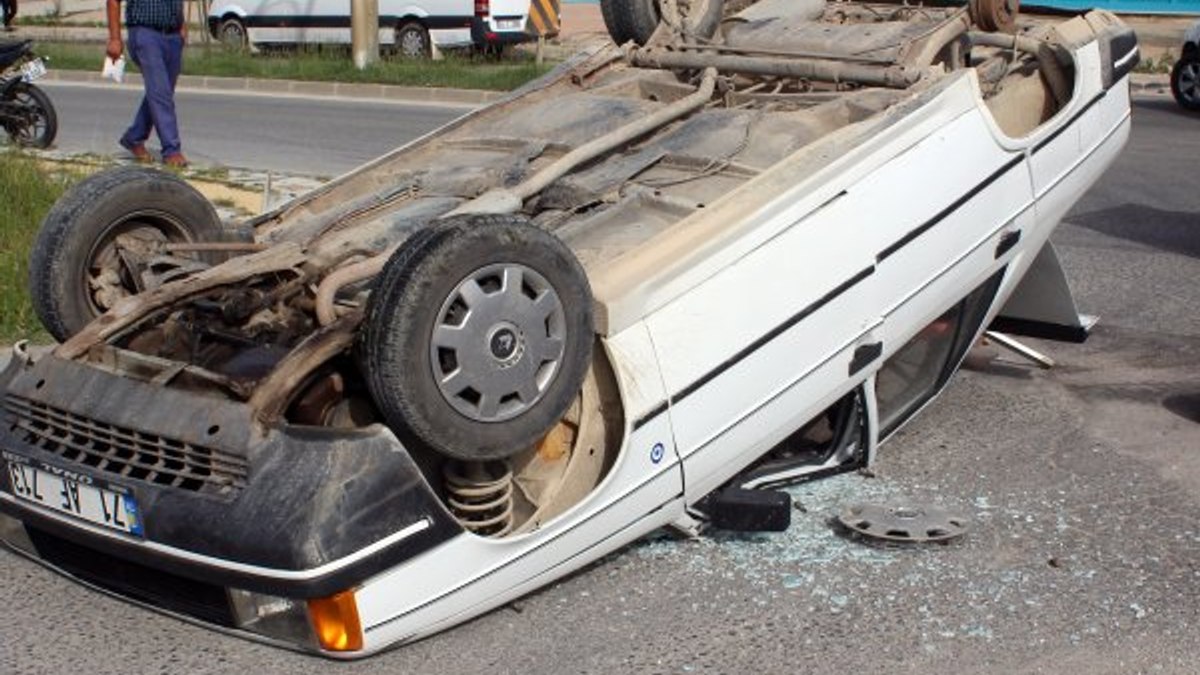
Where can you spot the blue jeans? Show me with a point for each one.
(160, 57)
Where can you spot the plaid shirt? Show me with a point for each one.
(161, 14)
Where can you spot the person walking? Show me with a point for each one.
(10, 12)
(156, 33)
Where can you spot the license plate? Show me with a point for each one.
(33, 70)
(508, 24)
(77, 495)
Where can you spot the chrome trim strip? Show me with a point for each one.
(1120, 63)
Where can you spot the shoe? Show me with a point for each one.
(139, 152)
(175, 160)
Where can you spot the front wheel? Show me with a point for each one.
(232, 34)
(636, 20)
(1185, 81)
(34, 123)
(478, 336)
(412, 41)
(85, 257)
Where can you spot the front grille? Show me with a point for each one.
(154, 587)
(124, 452)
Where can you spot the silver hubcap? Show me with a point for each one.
(498, 342)
(1189, 82)
(232, 35)
(412, 43)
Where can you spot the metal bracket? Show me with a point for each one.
(1022, 350)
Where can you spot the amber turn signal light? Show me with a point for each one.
(336, 621)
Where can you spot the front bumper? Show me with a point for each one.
(315, 512)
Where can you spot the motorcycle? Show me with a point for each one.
(26, 113)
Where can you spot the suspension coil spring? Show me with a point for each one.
(479, 495)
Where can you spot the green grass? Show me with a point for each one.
(27, 192)
(325, 65)
(52, 19)
(1162, 64)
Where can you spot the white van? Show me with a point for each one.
(413, 27)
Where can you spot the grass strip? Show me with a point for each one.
(27, 192)
(326, 64)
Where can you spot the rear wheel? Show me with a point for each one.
(636, 20)
(478, 336)
(412, 41)
(37, 123)
(85, 257)
(232, 34)
(1185, 81)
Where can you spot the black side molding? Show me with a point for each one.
(1121, 49)
(864, 355)
(1007, 241)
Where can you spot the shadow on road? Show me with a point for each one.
(1173, 231)
(1164, 105)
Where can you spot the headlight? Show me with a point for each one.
(329, 623)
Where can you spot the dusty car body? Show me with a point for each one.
(790, 237)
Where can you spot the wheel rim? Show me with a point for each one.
(498, 342)
(232, 35)
(1189, 82)
(106, 278)
(412, 43)
(36, 122)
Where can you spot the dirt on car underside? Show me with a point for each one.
(604, 161)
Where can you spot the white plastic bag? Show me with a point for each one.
(114, 70)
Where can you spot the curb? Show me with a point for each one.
(381, 92)
(1150, 83)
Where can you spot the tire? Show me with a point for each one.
(636, 20)
(42, 125)
(1185, 81)
(995, 16)
(412, 41)
(473, 391)
(75, 273)
(232, 33)
(490, 52)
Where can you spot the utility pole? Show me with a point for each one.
(364, 32)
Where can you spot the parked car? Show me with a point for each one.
(1185, 75)
(644, 291)
(410, 27)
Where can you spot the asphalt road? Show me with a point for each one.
(1082, 484)
(313, 136)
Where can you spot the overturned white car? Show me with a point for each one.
(640, 292)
